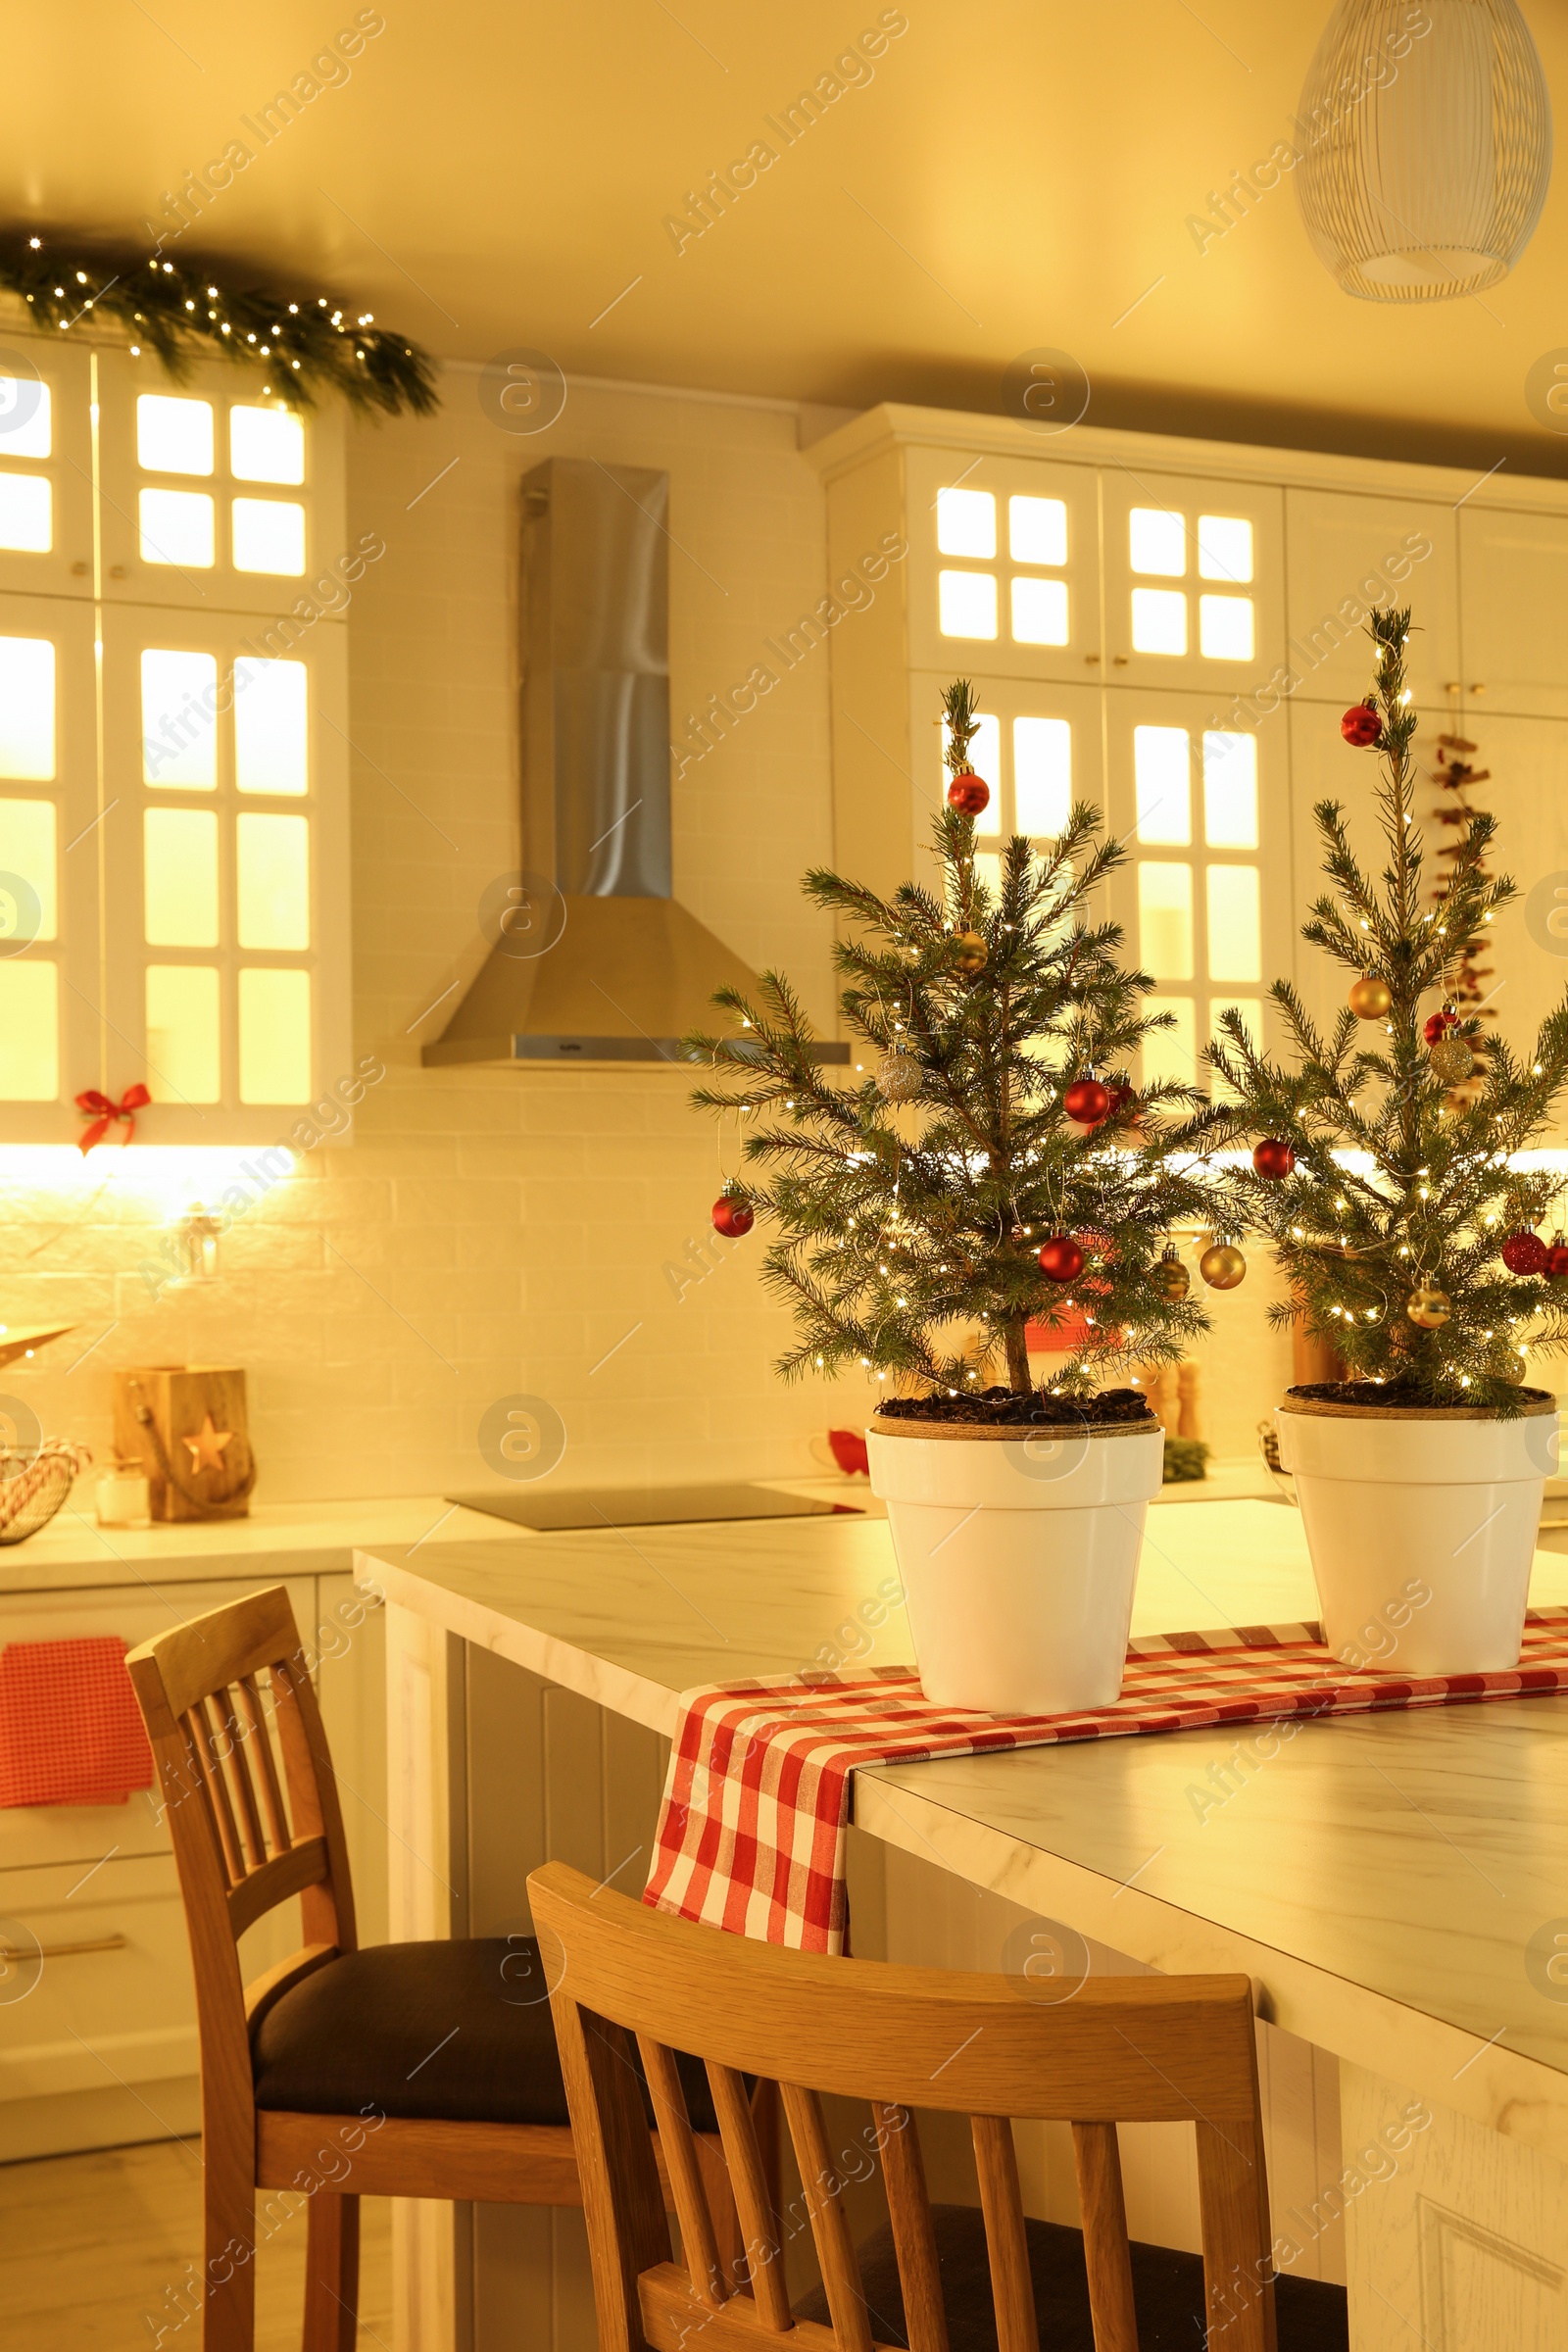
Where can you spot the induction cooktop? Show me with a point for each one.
(557, 1512)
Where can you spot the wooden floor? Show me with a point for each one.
(95, 2250)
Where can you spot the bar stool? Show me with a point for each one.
(938, 2279)
(408, 2070)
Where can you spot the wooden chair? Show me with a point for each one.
(940, 2279)
(410, 2070)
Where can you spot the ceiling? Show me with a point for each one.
(1009, 176)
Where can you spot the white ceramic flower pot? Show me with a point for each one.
(1421, 1528)
(1019, 1556)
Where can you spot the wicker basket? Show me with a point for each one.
(30, 1494)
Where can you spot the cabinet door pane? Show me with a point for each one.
(184, 1032)
(27, 707)
(274, 1036)
(30, 1032)
(272, 868)
(179, 864)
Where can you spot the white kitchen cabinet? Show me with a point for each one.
(1193, 580)
(1004, 564)
(1279, 554)
(99, 2044)
(1347, 552)
(173, 736)
(1513, 570)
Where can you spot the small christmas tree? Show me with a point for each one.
(981, 1177)
(1394, 1203)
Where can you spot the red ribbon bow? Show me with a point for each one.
(103, 1111)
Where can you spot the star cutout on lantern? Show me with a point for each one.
(207, 1446)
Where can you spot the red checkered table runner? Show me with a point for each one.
(71, 1731)
(750, 1830)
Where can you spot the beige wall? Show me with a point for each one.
(492, 1232)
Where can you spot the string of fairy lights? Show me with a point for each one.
(303, 349)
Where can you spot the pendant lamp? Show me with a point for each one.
(1425, 138)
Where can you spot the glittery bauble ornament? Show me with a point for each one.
(1122, 1096)
(969, 952)
(1438, 1024)
(1273, 1158)
(968, 793)
(1222, 1266)
(1087, 1102)
(1452, 1061)
(1524, 1252)
(1371, 999)
(1061, 1259)
(733, 1215)
(1428, 1306)
(899, 1075)
(1557, 1259)
(1361, 725)
(1170, 1278)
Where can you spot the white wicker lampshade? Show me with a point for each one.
(1425, 154)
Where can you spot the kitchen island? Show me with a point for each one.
(1393, 1886)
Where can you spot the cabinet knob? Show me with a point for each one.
(1091, 656)
(116, 571)
(1119, 661)
(79, 568)
(1453, 687)
(1478, 690)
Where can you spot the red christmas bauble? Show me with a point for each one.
(1120, 1097)
(1087, 1102)
(1437, 1025)
(1273, 1158)
(968, 793)
(1361, 725)
(1061, 1258)
(1557, 1261)
(1525, 1252)
(733, 1217)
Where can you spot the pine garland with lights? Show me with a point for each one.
(300, 349)
(915, 1204)
(1403, 1193)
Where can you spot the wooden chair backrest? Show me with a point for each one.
(1154, 2049)
(246, 1836)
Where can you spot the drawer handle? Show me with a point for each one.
(10, 1952)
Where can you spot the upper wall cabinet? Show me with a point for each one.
(1170, 629)
(174, 852)
(46, 471)
(1003, 565)
(1348, 552)
(1514, 572)
(216, 499)
(1193, 580)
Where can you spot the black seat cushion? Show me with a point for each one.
(460, 2032)
(1167, 2292)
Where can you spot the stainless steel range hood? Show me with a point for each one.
(596, 961)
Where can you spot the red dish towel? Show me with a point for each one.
(750, 1832)
(71, 1733)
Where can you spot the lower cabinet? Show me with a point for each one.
(97, 2014)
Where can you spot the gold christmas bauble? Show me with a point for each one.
(1452, 1061)
(899, 1075)
(969, 952)
(1428, 1306)
(1170, 1278)
(1371, 999)
(1223, 1266)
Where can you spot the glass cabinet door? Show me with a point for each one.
(1194, 581)
(1003, 565)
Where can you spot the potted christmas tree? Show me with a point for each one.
(980, 1177)
(1388, 1175)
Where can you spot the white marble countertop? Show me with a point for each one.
(302, 1538)
(1380, 1880)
